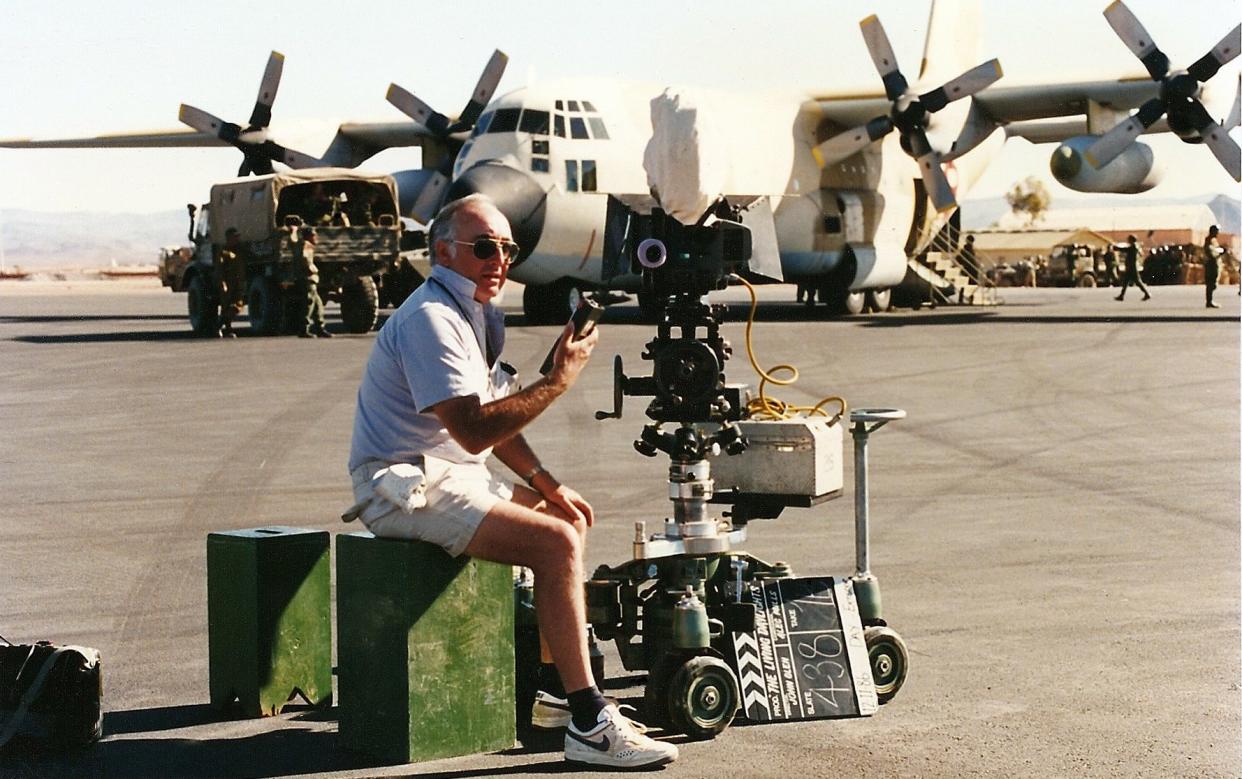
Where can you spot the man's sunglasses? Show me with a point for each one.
(486, 248)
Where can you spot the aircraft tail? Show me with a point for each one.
(950, 49)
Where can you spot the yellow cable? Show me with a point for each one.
(764, 407)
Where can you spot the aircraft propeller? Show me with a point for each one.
(909, 114)
(1178, 99)
(434, 189)
(259, 151)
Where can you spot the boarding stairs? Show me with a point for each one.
(934, 260)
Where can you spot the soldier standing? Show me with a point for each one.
(1211, 263)
(1131, 252)
(308, 287)
(231, 267)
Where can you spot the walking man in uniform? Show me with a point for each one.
(231, 266)
(435, 395)
(1211, 263)
(308, 287)
(1130, 252)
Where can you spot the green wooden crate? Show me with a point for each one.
(424, 650)
(269, 621)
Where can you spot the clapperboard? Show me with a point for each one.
(807, 658)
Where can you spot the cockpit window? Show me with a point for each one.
(534, 122)
(559, 125)
(505, 120)
(577, 127)
(597, 128)
(586, 105)
(480, 127)
(588, 176)
(573, 105)
(560, 105)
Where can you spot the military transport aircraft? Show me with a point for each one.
(858, 183)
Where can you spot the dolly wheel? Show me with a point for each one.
(889, 661)
(703, 697)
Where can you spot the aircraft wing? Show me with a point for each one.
(1003, 105)
(151, 139)
(353, 143)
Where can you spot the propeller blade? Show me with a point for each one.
(850, 142)
(936, 183)
(1115, 141)
(296, 159)
(974, 80)
(262, 114)
(483, 91)
(1235, 114)
(1226, 150)
(1222, 54)
(408, 104)
(206, 123)
(1131, 32)
(881, 50)
(429, 198)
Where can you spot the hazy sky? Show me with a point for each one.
(85, 68)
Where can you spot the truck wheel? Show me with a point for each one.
(292, 312)
(204, 309)
(397, 284)
(878, 300)
(360, 305)
(550, 304)
(263, 306)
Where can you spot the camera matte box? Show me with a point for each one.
(790, 457)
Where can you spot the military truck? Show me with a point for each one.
(359, 241)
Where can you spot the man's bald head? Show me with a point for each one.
(444, 226)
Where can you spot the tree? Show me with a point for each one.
(1029, 199)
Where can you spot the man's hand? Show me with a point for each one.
(571, 356)
(564, 498)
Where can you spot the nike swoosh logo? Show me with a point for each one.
(602, 745)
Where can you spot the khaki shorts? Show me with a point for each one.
(458, 497)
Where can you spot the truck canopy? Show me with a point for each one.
(257, 205)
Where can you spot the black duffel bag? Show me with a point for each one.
(50, 694)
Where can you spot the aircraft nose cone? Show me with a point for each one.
(517, 195)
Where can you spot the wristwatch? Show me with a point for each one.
(529, 477)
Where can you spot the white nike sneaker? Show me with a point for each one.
(616, 742)
(549, 712)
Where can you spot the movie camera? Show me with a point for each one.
(690, 607)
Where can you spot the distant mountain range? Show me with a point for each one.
(36, 240)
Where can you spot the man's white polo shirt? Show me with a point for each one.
(431, 349)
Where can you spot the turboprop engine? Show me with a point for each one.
(1133, 170)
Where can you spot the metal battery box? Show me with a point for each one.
(791, 457)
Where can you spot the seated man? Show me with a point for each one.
(435, 395)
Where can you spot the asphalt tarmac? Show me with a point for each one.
(1055, 525)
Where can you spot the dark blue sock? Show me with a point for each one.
(585, 706)
(550, 680)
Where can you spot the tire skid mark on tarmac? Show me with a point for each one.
(234, 489)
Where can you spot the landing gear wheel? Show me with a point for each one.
(360, 305)
(263, 305)
(550, 304)
(889, 661)
(842, 302)
(878, 300)
(703, 697)
(204, 308)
